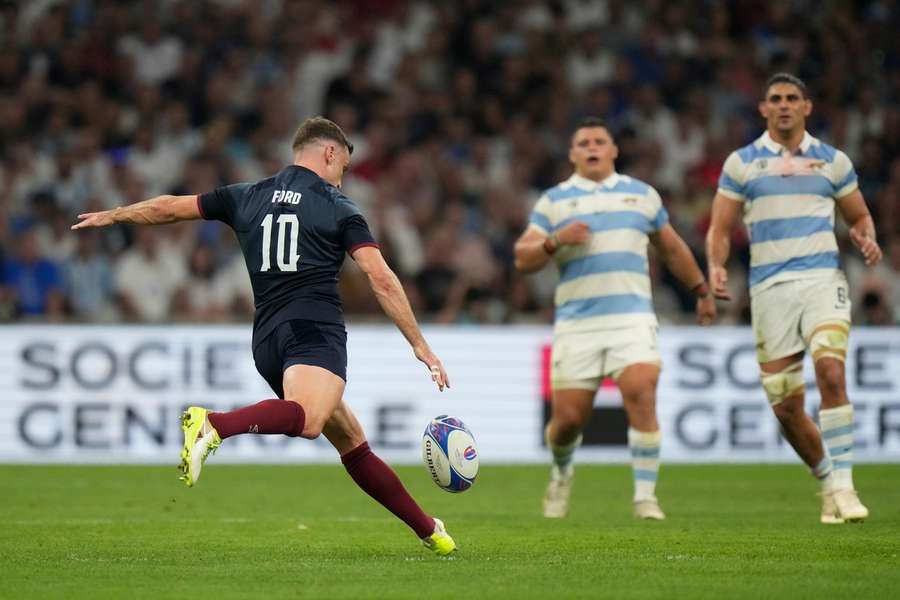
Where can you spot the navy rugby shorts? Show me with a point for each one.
(300, 342)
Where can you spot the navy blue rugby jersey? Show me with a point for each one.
(294, 229)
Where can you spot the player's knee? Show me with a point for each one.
(568, 419)
(782, 385)
(641, 398)
(313, 428)
(789, 409)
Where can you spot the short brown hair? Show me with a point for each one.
(592, 122)
(319, 128)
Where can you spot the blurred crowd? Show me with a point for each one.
(460, 113)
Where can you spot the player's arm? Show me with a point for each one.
(862, 228)
(725, 211)
(155, 211)
(678, 257)
(395, 304)
(534, 247)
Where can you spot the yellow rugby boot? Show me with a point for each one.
(200, 440)
(440, 541)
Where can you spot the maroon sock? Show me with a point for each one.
(268, 416)
(379, 481)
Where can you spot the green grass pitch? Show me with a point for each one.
(307, 531)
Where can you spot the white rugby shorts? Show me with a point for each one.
(785, 314)
(581, 359)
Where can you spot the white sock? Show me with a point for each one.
(837, 434)
(562, 456)
(824, 472)
(644, 461)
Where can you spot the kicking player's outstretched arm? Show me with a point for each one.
(534, 248)
(395, 304)
(862, 229)
(681, 263)
(718, 242)
(155, 211)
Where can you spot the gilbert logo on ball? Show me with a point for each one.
(448, 450)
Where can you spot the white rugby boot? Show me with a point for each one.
(849, 508)
(830, 515)
(556, 498)
(648, 508)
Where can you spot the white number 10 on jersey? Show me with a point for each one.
(285, 222)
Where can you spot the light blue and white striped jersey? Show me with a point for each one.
(604, 283)
(788, 206)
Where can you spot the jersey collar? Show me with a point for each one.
(766, 141)
(590, 185)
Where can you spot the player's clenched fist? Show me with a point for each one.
(576, 232)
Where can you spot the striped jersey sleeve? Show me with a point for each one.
(661, 215)
(540, 215)
(732, 180)
(844, 177)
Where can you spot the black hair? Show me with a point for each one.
(786, 78)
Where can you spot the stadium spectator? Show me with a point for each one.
(199, 299)
(147, 277)
(155, 57)
(89, 282)
(32, 282)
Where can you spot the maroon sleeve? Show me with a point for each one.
(200, 207)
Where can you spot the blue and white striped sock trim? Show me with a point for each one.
(823, 469)
(837, 435)
(645, 448)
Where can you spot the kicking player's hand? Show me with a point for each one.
(95, 219)
(718, 277)
(706, 310)
(867, 245)
(438, 374)
(576, 232)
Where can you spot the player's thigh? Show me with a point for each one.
(317, 390)
(576, 361)
(637, 383)
(775, 316)
(343, 429)
(632, 348)
(572, 407)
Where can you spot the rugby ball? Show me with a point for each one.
(448, 450)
